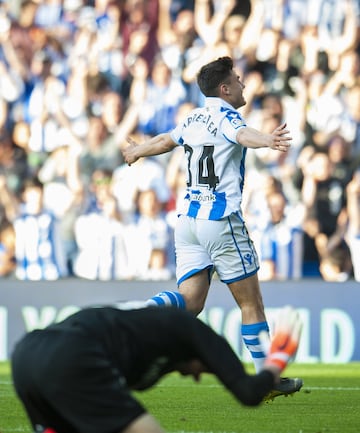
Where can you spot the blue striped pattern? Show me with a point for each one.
(39, 253)
(250, 334)
(283, 244)
(167, 299)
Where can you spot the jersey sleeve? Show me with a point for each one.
(231, 124)
(176, 134)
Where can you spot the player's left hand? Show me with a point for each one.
(281, 138)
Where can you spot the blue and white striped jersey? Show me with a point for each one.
(216, 162)
(282, 244)
(39, 249)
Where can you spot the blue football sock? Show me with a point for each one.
(167, 299)
(250, 334)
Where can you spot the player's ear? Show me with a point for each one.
(224, 89)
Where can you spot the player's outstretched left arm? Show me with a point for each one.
(279, 139)
(157, 145)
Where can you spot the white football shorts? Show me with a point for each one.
(223, 246)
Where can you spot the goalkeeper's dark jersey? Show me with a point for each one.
(147, 343)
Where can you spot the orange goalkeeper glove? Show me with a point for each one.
(283, 346)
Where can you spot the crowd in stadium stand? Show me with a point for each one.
(78, 77)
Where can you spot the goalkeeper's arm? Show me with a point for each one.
(280, 351)
(216, 354)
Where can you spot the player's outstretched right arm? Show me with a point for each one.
(157, 145)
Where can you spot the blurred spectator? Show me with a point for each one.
(280, 241)
(11, 88)
(339, 151)
(7, 232)
(99, 150)
(293, 16)
(13, 162)
(138, 27)
(98, 46)
(7, 246)
(163, 96)
(353, 229)
(48, 14)
(271, 112)
(324, 109)
(209, 18)
(232, 34)
(177, 6)
(324, 198)
(118, 121)
(336, 24)
(62, 194)
(336, 265)
(334, 101)
(24, 37)
(154, 260)
(21, 138)
(176, 37)
(335, 258)
(178, 45)
(110, 55)
(112, 109)
(258, 186)
(147, 173)
(346, 75)
(39, 254)
(351, 120)
(8, 200)
(261, 41)
(43, 104)
(101, 236)
(73, 101)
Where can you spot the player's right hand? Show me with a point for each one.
(129, 152)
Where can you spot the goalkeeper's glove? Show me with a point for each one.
(283, 346)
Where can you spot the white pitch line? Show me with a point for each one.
(332, 388)
(310, 388)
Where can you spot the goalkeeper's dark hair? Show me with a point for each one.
(213, 74)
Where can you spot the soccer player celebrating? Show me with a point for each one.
(210, 233)
(76, 376)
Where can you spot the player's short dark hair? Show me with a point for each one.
(213, 74)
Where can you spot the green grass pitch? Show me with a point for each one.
(329, 402)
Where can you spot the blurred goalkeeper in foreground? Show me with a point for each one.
(76, 376)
